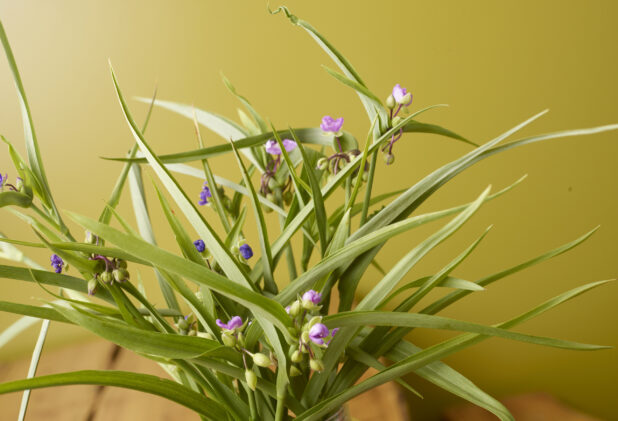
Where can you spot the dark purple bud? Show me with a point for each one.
(204, 194)
(57, 263)
(245, 251)
(199, 245)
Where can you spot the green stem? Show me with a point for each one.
(372, 169)
(289, 252)
(280, 412)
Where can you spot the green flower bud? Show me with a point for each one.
(241, 338)
(270, 197)
(287, 197)
(183, 324)
(266, 209)
(322, 164)
(295, 308)
(251, 379)
(228, 339)
(296, 356)
(206, 335)
(364, 176)
(261, 360)
(316, 365)
(396, 120)
(292, 349)
(19, 185)
(406, 98)
(92, 286)
(294, 371)
(106, 277)
(121, 263)
(273, 183)
(314, 320)
(390, 102)
(389, 158)
(91, 238)
(305, 337)
(120, 275)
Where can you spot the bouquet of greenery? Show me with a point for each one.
(237, 344)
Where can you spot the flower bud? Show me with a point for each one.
(407, 98)
(241, 338)
(396, 120)
(92, 286)
(313, 321)
(287, 197)
(389, 158)
(294, 371)
(316, 365)
(270, 197)
(273, 183)
(183, 324)
(106, 277)
(390, 102)
(305, 337)
(295, 308)
(228, 339)
(206, 335)
(91, 238)
(261, 360)
(251, 379)
(19, 184)
(121, 263)
(296, 356)
(322, 164)
(120, 275)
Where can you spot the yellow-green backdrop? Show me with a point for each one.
(496, 63)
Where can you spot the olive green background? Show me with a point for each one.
(495, 63)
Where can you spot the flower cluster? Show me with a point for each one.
(271, 187)
(400, 98)
(312, 336)
(115, 270)
(334, 163)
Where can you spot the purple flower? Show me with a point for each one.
(199, 245)
(317, 332)
(57, 263)
(3, 180)
(331, 125)
(332, 334)
(399, 94)
(287, 309)
(204, 194)
(234, 323)
(272, 147)
(313, 296)
(245, 251)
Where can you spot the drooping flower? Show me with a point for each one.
(234, 323)
(331, 126)
(402, 96)
(204, 194)
(245, 251)
(199, 245)
(313, 296)
(317, 333)
(57, 263)
(273, 148)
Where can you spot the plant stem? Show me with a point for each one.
(279, 414)
(372, 170)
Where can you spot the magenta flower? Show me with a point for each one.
(317, 332)
(234, 323)
(400, 93)
(331, 125)
(313, 296)
(272, 147)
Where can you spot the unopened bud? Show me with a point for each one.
(206, 335)
(296, 356)
(322, 164)
(91, 238)
(316, 365)
(106, 277)
(295, 308)
(251, 379)
(261, 360)
(396, 120)
(294, 371)
(92, 286)
(228, 339)
(120, 275)
(183, 324)
(305, 337)
(390, 102)
(313, 321)
(389, 158)
(121, 263)
(406, 99)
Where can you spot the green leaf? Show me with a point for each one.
(34, 363)
(256, 116)
(13, 198)
(428, 355)
(33, 311)
(142, 382)
(418, 127)
(446, 282)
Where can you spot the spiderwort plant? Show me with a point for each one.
(240, 354)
